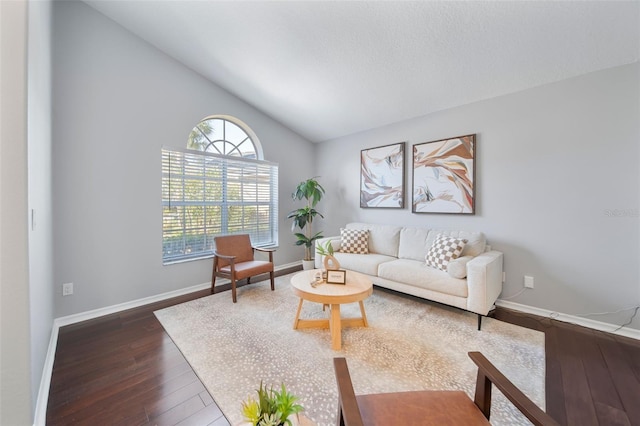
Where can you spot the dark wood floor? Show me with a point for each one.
(123, 369)
(592, 378)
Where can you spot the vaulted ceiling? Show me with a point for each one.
(327, 69)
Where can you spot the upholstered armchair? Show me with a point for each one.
(234, 259)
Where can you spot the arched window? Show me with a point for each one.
(225, 135)
(219, 185)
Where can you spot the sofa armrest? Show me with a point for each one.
(335, 242)
(484, 278)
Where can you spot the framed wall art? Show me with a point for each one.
(444, 176)
(382, 176)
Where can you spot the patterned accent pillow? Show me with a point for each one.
(354, 241)
(444, 250)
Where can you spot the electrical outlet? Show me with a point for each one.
(67, 289)
(528, 281)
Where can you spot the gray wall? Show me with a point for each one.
(41, 285)
(15, 392)
(557, 187)
(117, 100)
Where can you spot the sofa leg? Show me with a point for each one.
(479, 321)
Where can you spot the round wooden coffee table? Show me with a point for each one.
(357, 288)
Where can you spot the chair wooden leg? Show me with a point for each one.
(233, 289)
(271, 275)
(213, 275)
(482, 397)
(339, 418)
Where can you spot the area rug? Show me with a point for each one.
(410, 344)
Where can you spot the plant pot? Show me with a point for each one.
(331, 263)
(308, 264)
(295, 421)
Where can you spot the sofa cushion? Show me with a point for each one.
(457, 268)
(363, 263)
(476, 241)
(413, 243)
(383, 239)
(354, 241)
(444, 250)
(420, 275)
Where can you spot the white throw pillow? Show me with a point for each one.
(354, 241)
(457, 268)
(443, 251)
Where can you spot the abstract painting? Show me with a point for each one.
(382, 176)
(444, 175)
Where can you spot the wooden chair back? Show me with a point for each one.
(234, 245)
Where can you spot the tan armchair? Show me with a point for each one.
(431, 407)
(234, 259)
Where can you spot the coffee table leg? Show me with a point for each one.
(364, 316)
(296, 321)
(336, 327)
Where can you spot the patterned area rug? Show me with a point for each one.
(410, 344)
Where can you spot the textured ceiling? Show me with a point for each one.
(328, 69)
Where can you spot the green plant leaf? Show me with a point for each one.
(251, 411)
(326, 249)
(309, 190)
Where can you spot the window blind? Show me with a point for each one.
(205, 195)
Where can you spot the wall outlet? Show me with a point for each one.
(67, 289)
(528, 281)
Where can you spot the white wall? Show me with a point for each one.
(117, 100)
(41, 285)
(555, 164)
(15, 392)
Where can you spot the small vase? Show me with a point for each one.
(331, 263)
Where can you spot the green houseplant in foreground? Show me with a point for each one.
(311, 191)
(272, 408)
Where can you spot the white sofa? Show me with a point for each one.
(396, 260)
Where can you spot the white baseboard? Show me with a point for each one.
(40, 415)
(107, 310)
(585, 322)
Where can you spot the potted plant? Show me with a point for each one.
(311, 191)
(272, 408)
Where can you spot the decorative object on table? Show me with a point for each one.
(272, 408)
(444, 176)
(310, 191)
(336, 277)
(318, 278)
(382, 176)
(330, 262)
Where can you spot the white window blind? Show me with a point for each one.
(205, 195)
